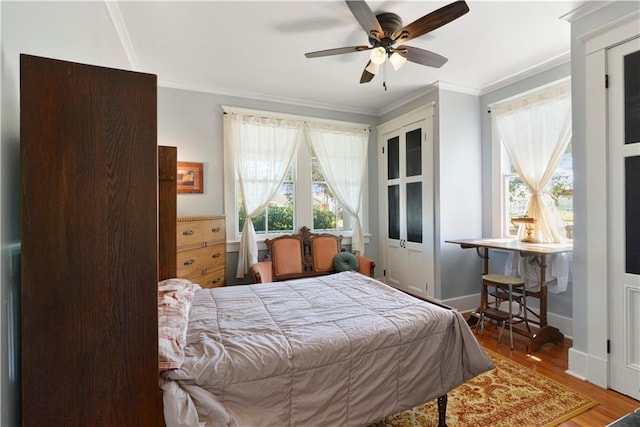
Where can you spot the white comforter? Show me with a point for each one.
(335, 350)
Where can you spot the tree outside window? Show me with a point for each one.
(560, 188)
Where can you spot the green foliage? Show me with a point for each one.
(280, 219)
(323, 220)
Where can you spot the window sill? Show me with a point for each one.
(234, 245)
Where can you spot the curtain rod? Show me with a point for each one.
(285, 116)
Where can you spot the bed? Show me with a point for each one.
(342, 349)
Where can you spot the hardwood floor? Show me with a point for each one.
(552, 360)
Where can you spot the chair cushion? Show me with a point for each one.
(324, 249)
(345, 261)
(286, 254)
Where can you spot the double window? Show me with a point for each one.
(318, 188)
(283, 215)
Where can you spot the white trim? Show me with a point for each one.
(594, 365)
(418, 94)
(254, 96)
(561, 59)
(585, 9)
(123, 34)
(588, 367)
(578, 364)
(457, 88)
(535, 90)
(615, 32)
(413, 116)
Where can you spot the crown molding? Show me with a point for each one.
(123, 34)
(561, 59)
(268, 98)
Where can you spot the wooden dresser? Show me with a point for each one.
(202, 250)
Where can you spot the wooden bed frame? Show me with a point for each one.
(167, 216)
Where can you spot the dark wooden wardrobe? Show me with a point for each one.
(89, 169)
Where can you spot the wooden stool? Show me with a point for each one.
(503, 290)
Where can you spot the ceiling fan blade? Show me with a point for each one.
(421, 56)
(363, 14)
(337, 51)
(431, 21)
(366, 75)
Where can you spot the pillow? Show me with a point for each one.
(174, 302)
(345, 261)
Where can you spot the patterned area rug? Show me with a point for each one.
(510, 395)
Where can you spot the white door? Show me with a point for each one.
(624, 216)
(408, 207)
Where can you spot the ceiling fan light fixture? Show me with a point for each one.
(378, 55)
(373, 68)
(397, 60)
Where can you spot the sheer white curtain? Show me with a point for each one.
(342, 156)
(262, 150)
(535, 132)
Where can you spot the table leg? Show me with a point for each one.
(475, 317)
(546, 333)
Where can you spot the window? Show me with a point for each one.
(328, 214)
(532, 145)
(277, 217)
(515, 193)
(303, 199)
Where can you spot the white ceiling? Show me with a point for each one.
(256, 48)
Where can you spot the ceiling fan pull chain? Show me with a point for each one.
(384, 76)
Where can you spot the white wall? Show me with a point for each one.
(459, 192)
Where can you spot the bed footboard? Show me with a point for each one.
(442, 411)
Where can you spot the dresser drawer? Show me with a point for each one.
(193, 233)
(213, 279)
(197, 261)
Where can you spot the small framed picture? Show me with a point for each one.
(190, 178)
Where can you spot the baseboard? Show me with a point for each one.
(588, 367)
(578, 364)
(465, 304)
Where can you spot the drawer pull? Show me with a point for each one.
(216, 255)
(189, 262)
(216, 280)
(187, 233)
(215, 229)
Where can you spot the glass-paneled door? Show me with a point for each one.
(624, 214)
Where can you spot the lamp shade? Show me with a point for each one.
(378, 55)
(397, 60)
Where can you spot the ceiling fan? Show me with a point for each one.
(385, 30)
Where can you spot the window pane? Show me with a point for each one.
(394, 211)
(414, 212)
(328, 212)
(280, 210)
(414, 152)
(393, 158)
(561, 189)
(278, 216)
(632, 213)
(516, 203)
(632, 98)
